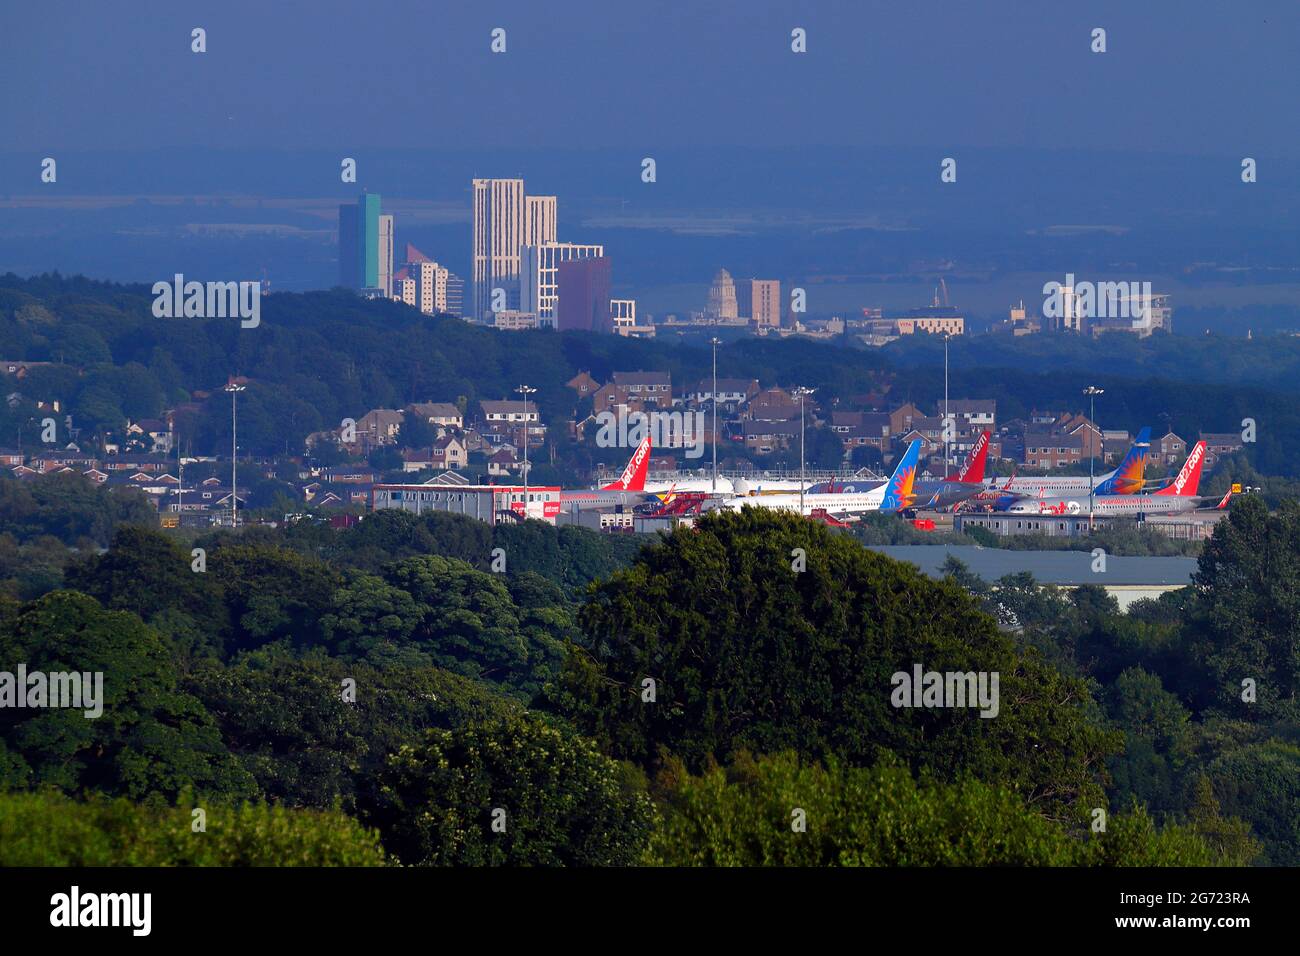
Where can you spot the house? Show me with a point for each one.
(380, 425)
(732, 392)
(1079, 425)
(859, 429)
(1047, 448)
(775, 405)
(438, 413)
(48, 462)
(1218, 444)
(902, 417)
(505, 463)
(9, 458)
(19, 369)
(636, 391)
(583, 384)
(505, 421)
(765, 437)
(446, 452)
(981, 413)
(1170, 449)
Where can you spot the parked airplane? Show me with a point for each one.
(1127, 479)
(628, 490)
(966, 482)
(893, 495)
(1177, 497)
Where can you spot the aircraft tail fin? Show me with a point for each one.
(973, 469)
(898, 490)
(1130, 476)
(638, 466)
(1189, 476)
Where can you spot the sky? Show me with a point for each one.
(819, 164)
(1189, 76)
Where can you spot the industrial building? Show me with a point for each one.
(490, 503)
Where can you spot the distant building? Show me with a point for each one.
(1019, 322)
(504, 221)
(583, 289)
(539, 220)
(385, 256)
(722, 298)
(1170, 449)
(513, 320)
(455, 295)
(490, 503)
(366, 247)
(350, 246)
(539, 275)
(759, 300)
(498, 233)
(623, 321)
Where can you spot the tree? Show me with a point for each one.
(46, 829)
(780, 811)
(745, 652)
(509, 792)
(1246, 618)
(152, 738)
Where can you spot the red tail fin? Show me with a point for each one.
(1189, 478)
(973, 471)
(633, 477)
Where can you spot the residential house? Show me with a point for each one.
(438, 413)
(1169, 450)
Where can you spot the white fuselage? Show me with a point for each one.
(1108, 505)
(690, 485)
(834, 504)
(1050, 486)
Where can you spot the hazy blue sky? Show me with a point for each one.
(1189, 76)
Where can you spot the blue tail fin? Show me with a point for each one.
(1129, 477)
(898, 490)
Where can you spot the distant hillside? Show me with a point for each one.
(319, 357)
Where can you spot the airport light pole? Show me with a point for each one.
(1092, 392)
(945, 405)
(803, 393)
(234, 390)
(713, 401)
(525, 391)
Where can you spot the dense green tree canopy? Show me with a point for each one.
(747, 653)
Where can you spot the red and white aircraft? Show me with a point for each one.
(627, 490)
(1177, 497)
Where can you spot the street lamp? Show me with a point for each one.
(1092, 392)
(946, 469)
(713, 400)
(803, 393)
(234, 390)
(525, 391)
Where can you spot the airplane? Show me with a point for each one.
(966, 482)
(893, 495)
(1127, 479)
(627, 490)
(1175, 498)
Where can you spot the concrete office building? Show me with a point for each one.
(539, 270)
(759, 300)
(384, 256)
(539, 220)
